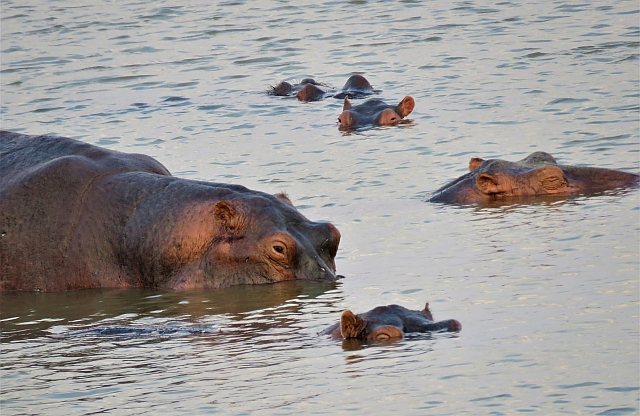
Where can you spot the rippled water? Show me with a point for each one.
(548, 293)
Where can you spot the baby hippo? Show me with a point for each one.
(388, 322)
(374, 112)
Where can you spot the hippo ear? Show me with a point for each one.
(284, 198)
(427, 311)
(488, 183)
(475, 163)
(405, 107)
(347, 104)
(351, 325)
(228, 216)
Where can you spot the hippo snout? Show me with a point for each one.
(346, 120)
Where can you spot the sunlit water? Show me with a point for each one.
(547, 292)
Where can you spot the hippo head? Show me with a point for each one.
(311, 90)
(307, 90)
(358, 83)
(356, 86)
(537, 174)
(232, 237)
(388, 322)
(282, 89)
(374, 112)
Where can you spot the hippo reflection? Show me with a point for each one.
(76, 216)
(388, 322)
(373, 112)
(537, 174)
(309, 89)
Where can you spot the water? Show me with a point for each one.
(547, 293)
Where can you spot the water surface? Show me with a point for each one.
(547, 292)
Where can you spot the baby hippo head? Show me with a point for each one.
(374, 112)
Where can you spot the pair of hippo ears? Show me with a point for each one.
(403, 109)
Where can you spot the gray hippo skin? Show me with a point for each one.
(537, 174)
(76, 216)
(373, 112)
(387, 322)
(309, 89)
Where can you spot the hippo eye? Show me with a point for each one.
(281, 248)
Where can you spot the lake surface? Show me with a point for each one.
(547, 291)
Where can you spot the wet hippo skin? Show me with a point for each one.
(387, 322)
(537, 174)
(76, 216)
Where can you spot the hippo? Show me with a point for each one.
(77, 216)
(373, 112)
(309, 89)
(387, 322)
(535, 175)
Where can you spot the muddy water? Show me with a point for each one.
(547, 292)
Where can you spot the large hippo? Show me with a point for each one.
(76, 216)
(387, 322)
(536, 174)
(309, 89)
(373, 112)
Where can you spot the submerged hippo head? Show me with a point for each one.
(110, 219)
(537, 174)
(356, 86)
(373, 112)
(307, 90)
(388, 322)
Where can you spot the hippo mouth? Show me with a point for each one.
(326, 274)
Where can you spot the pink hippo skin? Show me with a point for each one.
(77, 216)
(387, 322)
(536, 175)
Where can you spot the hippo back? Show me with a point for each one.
(44, 183)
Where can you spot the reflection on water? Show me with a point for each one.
(547, 290)
(28, 315)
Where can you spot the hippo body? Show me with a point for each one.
(387, 322)
(536, 175)
(373, 112)
(76, 216)
(309, 89)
